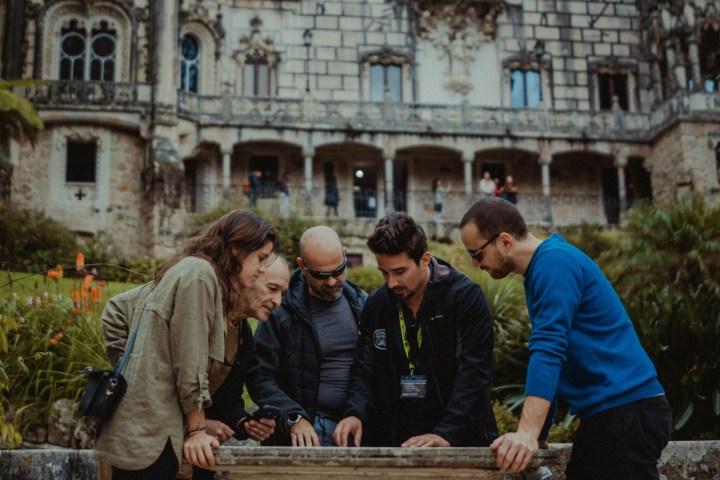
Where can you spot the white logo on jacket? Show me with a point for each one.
(379, 339)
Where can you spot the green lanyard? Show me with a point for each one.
(406, 342)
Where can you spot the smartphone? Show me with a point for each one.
(266, 411)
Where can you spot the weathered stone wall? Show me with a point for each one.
(114, 203)
(683, 162)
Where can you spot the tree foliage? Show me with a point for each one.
(18, 118)
(666, 269)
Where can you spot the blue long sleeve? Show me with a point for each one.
(582, 342)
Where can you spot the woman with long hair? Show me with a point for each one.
(185, 317)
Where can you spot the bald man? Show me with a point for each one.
(305, 349)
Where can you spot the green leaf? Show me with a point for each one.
(684, 417)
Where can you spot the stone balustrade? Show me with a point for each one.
(357, 116)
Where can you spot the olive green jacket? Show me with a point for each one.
(182, 327)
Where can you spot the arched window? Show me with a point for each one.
(190, 64)
(256, 76)
(78, 62)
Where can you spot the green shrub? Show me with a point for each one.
(367, 278)
(49, 344)
(33, 242)
(591, 239)
(665, 268)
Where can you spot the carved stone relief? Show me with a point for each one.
(458, 29)
(88, 16)
(198, 13)
(255, 44)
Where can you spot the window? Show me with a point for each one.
(81, 161)
(384, 77)
(78, 62)
(710, 59)
(612, 85)
(525, 88)
(189, 64)
(256, 76)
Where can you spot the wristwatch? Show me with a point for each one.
(294, 418)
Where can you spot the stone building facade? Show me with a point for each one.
(156, 109)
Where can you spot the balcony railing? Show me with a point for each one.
(425, 119)
(75, 94)
(369, 203)
(358, 117)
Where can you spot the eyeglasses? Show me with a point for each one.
(477, 254)
(325, 275)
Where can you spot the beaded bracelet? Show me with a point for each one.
(199, 428)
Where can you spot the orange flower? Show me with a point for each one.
(55, 275)
(95, 295)
(56, 337)
(80, 261)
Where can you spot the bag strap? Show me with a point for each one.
(121, 364)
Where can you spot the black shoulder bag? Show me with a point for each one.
(104, 388)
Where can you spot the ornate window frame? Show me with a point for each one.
(207, 44)
(526, 61)
(89, 16)
(385, 57)
(254, 46)
(613, 66)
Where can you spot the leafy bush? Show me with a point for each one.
(49, 344)
(591, 239)
(665, 268)
(33, 242)
(367, 278)
(290, 228)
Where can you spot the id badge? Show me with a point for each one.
(413, 386)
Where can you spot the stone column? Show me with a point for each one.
(166, 51)
(308, 155)
(467, 177)
(226, 163)
(545, 159)
(621, 159)
(694, 58)
(389, 185)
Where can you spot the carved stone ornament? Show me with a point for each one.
(458, 29)
(254, 45)
(198, 13)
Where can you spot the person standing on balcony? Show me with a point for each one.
(509, 190)
(439, 192)
(582, 346)
(486, 186)
(332, 195)
(186, 316)
(284, 187)
(255, 184)
(422, 370)
(498, 188)
(306, 348)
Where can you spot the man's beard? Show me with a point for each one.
(328, 294)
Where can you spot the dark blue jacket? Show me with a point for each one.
(287, 350)
(457, 333)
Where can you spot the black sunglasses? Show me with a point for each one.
(477, 254)
(325, 275)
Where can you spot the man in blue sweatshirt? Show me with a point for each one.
(582, 346)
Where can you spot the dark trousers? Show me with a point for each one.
(622, 443)
(165, 468)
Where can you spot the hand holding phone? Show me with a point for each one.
(266, 411)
